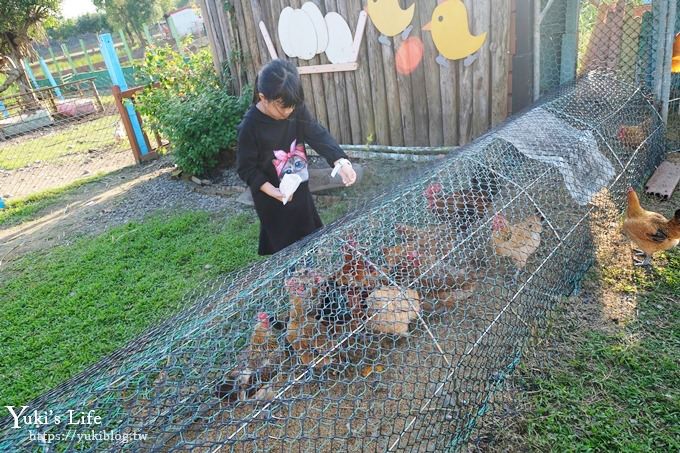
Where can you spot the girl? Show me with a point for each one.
(271, 143)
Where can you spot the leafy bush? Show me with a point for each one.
(189, 106)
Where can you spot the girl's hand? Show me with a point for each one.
(274, 192)
(346, 172)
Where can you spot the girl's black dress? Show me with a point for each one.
(267, 150)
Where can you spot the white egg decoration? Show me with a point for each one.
(340, 39)
(315, 15)
(303, 34)
(285, 38)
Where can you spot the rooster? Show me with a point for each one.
(464, 207)
(342, 296)
(257, 363)
(516, 241)
(650, 231)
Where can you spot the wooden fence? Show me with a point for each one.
(432, 106)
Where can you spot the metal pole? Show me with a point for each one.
(117, 78)
(125, 46)
(668, 59)
(87, 55)
(68, 57)
(48, 76)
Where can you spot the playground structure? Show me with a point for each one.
(55, 135)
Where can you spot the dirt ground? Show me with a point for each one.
(129, 194)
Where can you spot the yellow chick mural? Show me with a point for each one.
(451, 33)
(390, 19)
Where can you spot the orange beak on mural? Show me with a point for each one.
(427, 26)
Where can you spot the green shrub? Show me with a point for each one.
(190, 107)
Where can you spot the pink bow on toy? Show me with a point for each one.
(282, 156)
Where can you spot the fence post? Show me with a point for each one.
(54, 60)
(117, 78)
(570, 43)
(30, 74)
(147, 34)
(125, 46)
(668, 58)
(175, 35)
(64, 49)
(87, 55)
(48, 76)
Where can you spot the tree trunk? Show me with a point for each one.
(28, 99)
(140, 37)
(129, 34)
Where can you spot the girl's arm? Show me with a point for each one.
(247, 162)
(324, 144)
(319, 138)
(247, 169)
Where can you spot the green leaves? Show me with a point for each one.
(191, 108)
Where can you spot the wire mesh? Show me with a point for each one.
(391, 329)
(57, 137)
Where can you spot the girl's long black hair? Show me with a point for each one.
(279, 79)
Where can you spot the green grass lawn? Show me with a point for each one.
(63, 310)
(98, 133)
(616, 392)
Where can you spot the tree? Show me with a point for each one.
(20, 23)
(62, 29)
(129, 15)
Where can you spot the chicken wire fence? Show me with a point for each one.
(621, 36)
(55, 137)
(390, 329)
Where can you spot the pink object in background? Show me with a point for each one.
(76, 107)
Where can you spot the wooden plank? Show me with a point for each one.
(432, 76)
(378, 92)
(344, 129)
(500, 60)
(363, 81)
(211, 28)
(232, 45)
(399, 90)
(330, 67)
(448, 84)
(394, 117)
(419, 106)
(330, 89)
(350, 79)
(127, 124)
(466, 95)
(250, 31)
(268, 41)
(481, 67)
(256, 18)
(249, 60)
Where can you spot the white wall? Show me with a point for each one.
(187, 21)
